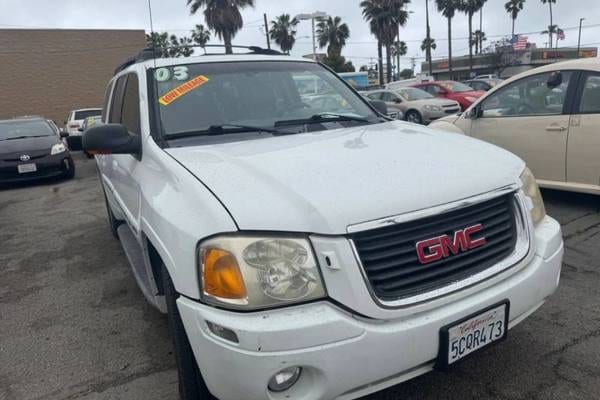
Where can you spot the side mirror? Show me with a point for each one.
(111, 139)
(475, 113)
(63, 133)
(380, 106)
(397, 100)
(80, 129)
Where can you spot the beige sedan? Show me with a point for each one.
(550, 117)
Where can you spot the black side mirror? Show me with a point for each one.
(111, 139)
(380, 106)
(397, 100)
(475, 113)
(554, 80)
(80, 129)
(63, 133)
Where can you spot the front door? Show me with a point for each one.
(583, 154)
(530, 118)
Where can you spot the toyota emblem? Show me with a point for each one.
(24, 157)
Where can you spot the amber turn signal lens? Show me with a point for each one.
(222, 275)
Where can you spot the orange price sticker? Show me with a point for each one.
(182, 90)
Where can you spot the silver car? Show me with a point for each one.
(417, 105)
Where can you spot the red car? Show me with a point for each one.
(465, 95)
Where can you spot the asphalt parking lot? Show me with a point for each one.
(73, 324)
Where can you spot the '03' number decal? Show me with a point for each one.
(179, 73)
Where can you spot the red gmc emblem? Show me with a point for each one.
(434, 249)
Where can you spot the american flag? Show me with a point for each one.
(519, 42)
(561, 34)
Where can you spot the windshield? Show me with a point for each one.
(196, 97)
(79, 115)
(456, 87)
(24, 129)
(411, 94)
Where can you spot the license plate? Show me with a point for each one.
(25, 168)
(473, 333)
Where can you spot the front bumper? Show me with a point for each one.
(47, 167)
(343, 355)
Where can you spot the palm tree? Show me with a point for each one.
(222, 16)
(470, 7)
(332, 33)
(448, 8)
(283, 32)
(200, 35)
(552, 29)
(550, 32)
(428, 44)
(399, 49)
(158, 42)
(514, 7)
(478, 39)
(385, 17)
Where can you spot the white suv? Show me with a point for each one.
(306, 253)
(74, 122)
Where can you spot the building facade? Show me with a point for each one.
(504, 63)
(49, 72)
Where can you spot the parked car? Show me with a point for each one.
(292, 246)
(30, 148)
(549, 117)
(483, 84)
(417, 105)
(463, 94)
(74, 121)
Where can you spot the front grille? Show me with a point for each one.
(389, 256)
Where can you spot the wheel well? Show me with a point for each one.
(412, 110)
(156, 263)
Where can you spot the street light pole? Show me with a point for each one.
(579, 39)
(313, 17)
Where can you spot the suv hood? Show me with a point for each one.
(323, 182)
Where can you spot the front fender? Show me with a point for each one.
(446, 126)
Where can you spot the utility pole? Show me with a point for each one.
(428, 49)
(579, 39)
(314, 16)
(267, 32)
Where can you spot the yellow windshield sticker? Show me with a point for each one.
(182, 90)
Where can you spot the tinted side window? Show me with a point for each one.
(528, 96)
(117, 101)
(130, 115)
(590, 99)
(374, 96)
(389, 97)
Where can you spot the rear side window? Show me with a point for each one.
(87, 113)
(130, 115)
(590, 99)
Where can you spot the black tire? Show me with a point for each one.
(414, 117)
(112, 221)
(70, 174)
(191, 383)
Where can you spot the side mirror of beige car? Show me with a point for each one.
(474, 113)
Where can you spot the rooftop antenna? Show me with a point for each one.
(158, 121)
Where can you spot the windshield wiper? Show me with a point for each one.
(322, 117)
(24, 137)
(224, 129)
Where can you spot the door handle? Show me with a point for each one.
(554, 128)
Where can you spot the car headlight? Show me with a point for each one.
(58, 148)
(532, 190)
(471, 99)
(252, 272)
(432, 108)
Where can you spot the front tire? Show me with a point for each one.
(414, 117)
(70, 173)
(191, 383)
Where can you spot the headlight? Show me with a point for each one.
(532, 190)
(432, 108)
(471, 99)
(257, 272)
(58, 148)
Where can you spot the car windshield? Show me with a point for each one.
(411, 94)
(265, 94)
(456, 87)
(79, 115)
(24, 129)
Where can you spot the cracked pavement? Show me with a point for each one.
(74, 325)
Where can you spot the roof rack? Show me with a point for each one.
(150, 53)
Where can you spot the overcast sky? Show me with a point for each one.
(174, 16)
